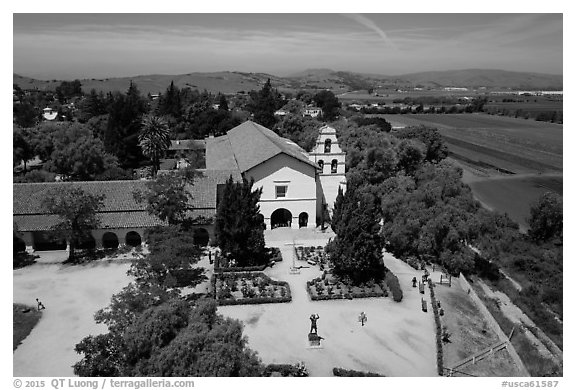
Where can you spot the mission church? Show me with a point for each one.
(296, 187)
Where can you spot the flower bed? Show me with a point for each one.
(222, 264)
(242, 288)
(313, 255)
(326, 288)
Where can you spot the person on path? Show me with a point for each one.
(40, 305)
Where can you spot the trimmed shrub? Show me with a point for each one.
(393, 284)
(439, 348)
(343, 372)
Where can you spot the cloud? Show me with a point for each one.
(364, 21)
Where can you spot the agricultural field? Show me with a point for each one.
(508, 162)
(511, 144)
(514, 195)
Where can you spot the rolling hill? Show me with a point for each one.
(338, 81)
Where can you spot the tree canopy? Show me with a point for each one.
(77, 210)
(546, 217)
(239, 228)
(154, 139)
(168, 196)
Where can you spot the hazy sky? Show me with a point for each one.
(107, 45)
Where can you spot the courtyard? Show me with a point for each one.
(397, 340)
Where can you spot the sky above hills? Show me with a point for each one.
(66, 46)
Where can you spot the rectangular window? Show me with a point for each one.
(281, 191)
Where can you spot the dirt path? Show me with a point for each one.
(539, 339)
(71, 294)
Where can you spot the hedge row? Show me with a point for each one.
(393, 284)
(283, 369)
(439, 350)
(343, 372)
(253, 268)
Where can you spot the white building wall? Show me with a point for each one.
(329, 181)
(301, 181)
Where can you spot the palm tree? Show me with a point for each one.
(154, 139)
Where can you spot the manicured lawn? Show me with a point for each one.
(24, 319)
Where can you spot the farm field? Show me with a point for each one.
(529, 145)
(508, 162)
(514, 195)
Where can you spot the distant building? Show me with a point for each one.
(49, 114)
(313, 112)
(455, 89)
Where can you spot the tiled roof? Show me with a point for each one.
(28, 197)
(204, 187)
(113, 220)
(120, 209)
(219, 154)
(188, 144)
(249, 145)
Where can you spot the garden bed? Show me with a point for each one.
(243, 288)
(328, 287)
(223, 264)
(313, 255)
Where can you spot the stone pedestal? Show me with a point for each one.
(314, 341)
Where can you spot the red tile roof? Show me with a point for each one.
(120, 210)
(249, 145)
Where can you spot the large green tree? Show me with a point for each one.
(263, 104)
(168, 196)
(356, 251)
(77, 210)
(171, 259)
(77, 155)
(125, 113)
(238, 229)
(22, 148)
(329, 104)
(546, 217)
(154, 139)
(171, 339)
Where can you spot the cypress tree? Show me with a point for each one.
(239, 231)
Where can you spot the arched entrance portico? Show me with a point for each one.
(87, 242)
(303, 220)
(110, 240)
(133, 239)
(19, 245)
(201, 237)
(46, 241)
(281, 218)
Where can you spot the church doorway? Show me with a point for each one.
(201, 237)
(281, 218)
(303, 220)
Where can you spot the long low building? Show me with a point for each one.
(123, 220)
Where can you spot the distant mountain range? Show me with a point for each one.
(337, 81)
